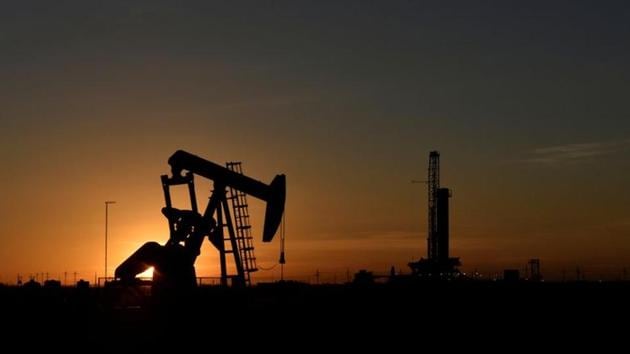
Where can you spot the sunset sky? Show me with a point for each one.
(528, 103)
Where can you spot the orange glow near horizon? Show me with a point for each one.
(367, 235)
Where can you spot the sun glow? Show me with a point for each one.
(146, 274)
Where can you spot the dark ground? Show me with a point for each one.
(273, 315)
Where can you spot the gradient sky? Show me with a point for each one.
(526, 101)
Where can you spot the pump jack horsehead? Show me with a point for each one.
(174, 261)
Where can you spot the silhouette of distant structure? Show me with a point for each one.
(83, 284)
(32, 284)
(51, 283)
(363, 277)
(438, 262)
(511, 275)
(534, 270)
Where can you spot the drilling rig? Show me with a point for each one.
(438, 263)
(174, 261)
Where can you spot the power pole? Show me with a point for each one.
(107, 203)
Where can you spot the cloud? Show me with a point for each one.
(573, 153)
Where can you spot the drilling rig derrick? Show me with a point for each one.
(438, 263)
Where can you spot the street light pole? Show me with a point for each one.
(107, 203)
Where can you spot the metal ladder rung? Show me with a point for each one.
(242, 227)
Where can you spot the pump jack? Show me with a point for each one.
(174, 261)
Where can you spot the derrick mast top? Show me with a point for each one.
(433, 183)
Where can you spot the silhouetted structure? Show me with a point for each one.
(52, 284)
(534, 270)
(32, 284)
(432, 221)
(174, 262)
(438, 263)
(83, 284)
(363, 277)
(511, 275)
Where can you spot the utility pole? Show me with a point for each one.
(107, 203)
